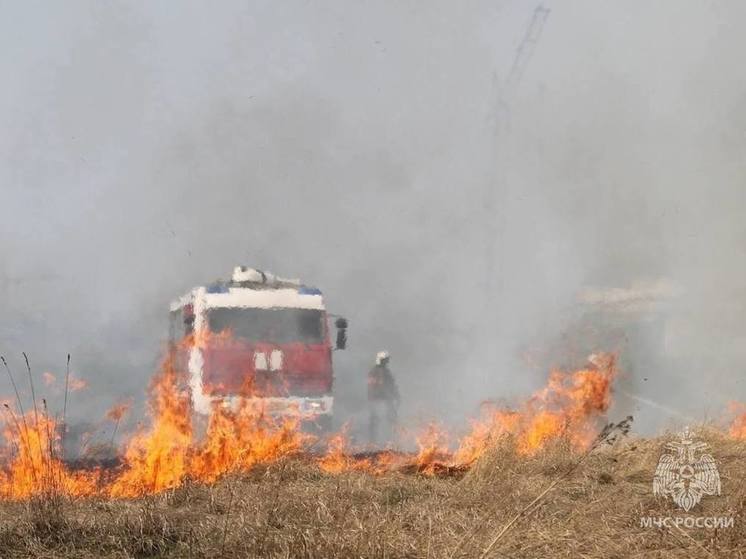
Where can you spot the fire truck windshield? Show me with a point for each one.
(269, 325)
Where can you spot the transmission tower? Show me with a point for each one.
(497, 188)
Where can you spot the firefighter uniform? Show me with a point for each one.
(383, 400)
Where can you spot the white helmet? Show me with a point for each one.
(382, 357)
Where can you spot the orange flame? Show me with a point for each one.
(34, 467)
(157, 459)
(433, 448)
(336, 459)
(118, 411)
(75, 384)
(737, 428)
(571, 406)
(240, 436)
(239, 440)
(169, 452)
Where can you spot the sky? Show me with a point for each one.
(150, 147)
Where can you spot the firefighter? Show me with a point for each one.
(383, 398)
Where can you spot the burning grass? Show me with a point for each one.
(292, 508)
(533, 481)
(236, 439)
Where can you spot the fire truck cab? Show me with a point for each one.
(261, 339)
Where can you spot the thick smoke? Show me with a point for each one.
(149, 148)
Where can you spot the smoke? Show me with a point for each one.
(148, 149)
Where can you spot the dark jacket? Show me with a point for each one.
(381, 384)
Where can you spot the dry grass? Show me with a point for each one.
(291, 509)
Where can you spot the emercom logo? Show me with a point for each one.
(685, 473)
(684, 476)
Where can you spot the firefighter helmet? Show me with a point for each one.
(382, 357)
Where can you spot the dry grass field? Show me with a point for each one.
(293, 509)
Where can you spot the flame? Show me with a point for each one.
(169, 452)
(433, 448)
(337, 457)
(239, 440)
(737, 428)
(251, 386)
(75, 384)
(240, 434)
(157, 459)
(570, 405)
(485, 433)
(118, 411)
(207, 338)
(35, 467)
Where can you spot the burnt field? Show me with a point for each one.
(583, 506)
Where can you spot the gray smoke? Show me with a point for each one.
(150, 147)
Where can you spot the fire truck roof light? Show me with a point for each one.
(305, 290)
(217, 287)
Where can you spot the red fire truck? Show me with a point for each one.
(261, 339)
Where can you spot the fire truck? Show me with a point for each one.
(258, 339)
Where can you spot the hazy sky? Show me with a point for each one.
(151, 146)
